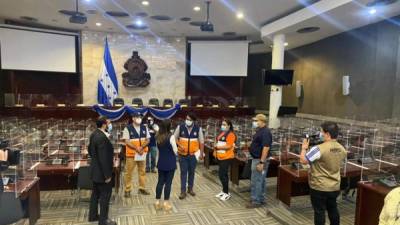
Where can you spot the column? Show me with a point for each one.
(275, 101)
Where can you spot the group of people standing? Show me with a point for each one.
(186, 143)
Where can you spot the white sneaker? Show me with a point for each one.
(219, 195)
(225, 197)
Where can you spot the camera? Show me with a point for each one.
(313, 139)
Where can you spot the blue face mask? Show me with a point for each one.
(109, 127)
(223, 128)
(321, 136)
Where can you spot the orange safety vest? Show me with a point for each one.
(136, 139)
(225, 154)
(189, 141)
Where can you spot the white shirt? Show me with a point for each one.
(172, 141)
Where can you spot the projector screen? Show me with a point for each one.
(219, 58)
(35, 50)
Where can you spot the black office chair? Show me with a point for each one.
(84, 181)
(184, 102)
(168, 102)
(137, 101)
(154, 102)
(118, 101)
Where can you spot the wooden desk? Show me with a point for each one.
(29, 191)
(370, 200)
(63, 177)
(238, 165)
(293, 182)
(87, 112)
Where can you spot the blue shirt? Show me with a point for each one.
(262, 138)
(167, 155)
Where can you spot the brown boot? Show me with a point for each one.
(182, 195)
(143, 192)
(190, 192)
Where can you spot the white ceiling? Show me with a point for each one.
(332, 16)
(223, 14)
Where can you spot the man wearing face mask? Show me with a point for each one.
(137, 138)
(152, 155)
(190, 139)
(324, 174)
(101, 152)
(259, 150)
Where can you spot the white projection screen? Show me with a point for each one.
(219, 58)
(37, 50)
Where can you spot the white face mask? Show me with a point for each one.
(138, 121)
(188, 123)
(109, 127)
(254, 124)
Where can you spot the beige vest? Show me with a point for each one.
(325, 172)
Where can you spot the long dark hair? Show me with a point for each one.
(164, 131)
(229, 122)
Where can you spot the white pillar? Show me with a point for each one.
(275, 100)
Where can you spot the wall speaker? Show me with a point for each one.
(299, 87)
(346, 85)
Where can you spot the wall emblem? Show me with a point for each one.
(136, 75)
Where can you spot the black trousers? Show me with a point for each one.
(223, 174)
(164, 181)
(322, 201)
(101, 193)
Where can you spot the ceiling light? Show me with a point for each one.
(286, 44)
(98, 24)
(87, 0)
(239, 15)
(139, 23)
(372, 11)
(196, 8)
(146, 3)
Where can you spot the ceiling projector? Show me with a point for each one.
(80, 19)
(207, 27)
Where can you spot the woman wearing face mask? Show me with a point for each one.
(224, 153)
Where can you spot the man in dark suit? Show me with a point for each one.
(101, 151)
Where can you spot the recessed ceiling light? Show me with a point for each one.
(139, 23)
(98, 24)
(240, 15)
(146, 3)
(372, 11)
(286, 44)
(197, 8)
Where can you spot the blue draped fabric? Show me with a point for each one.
(114, 115)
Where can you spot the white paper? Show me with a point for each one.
(140, 157)
(197, 155)
(221, 143)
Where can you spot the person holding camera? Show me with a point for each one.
(152, 154)
(101, 152)
(324, 175)
(259, 150)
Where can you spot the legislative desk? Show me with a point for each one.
(62, 177)
(87, 112)
(28, 191)
(370, 200)
(292, 182)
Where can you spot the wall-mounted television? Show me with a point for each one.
(277, 77)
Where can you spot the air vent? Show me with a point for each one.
(117, 14)
(28, 18)
(307, 30)
(185, 19)
(197, 23)
(136, 27)
(161, 18)
(375, 3)
(141, 14)
(230, 33)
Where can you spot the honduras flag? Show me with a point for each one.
(107, 86)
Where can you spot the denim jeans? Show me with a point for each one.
(151, 158)
(258, 182)
(188, 167)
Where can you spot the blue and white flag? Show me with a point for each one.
(107, 86)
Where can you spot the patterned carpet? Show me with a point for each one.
(63, 208)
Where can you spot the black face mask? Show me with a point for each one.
(4, 165)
